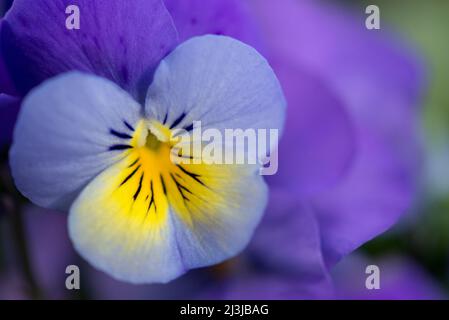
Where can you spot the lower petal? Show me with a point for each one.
(144, 222)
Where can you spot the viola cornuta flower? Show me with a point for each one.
(96, 143)
(84, 144)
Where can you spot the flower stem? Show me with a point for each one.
(11, 201)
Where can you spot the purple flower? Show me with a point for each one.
(83, 143)
(348, 156)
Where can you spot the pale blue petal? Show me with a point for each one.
(219, 81)
(63, 136)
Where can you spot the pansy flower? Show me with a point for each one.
(348, 156)
(99, 145)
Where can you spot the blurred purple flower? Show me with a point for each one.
(50, 252)
(400, 279)
(350, 150)
(9, 108)
(349, 153)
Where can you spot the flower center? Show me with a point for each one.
(153, 182)
(152, 142)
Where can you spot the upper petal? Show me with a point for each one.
(119, 40)
(219, 81)
(64, 134)
(198, 17)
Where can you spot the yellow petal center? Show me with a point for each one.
(152, 182)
